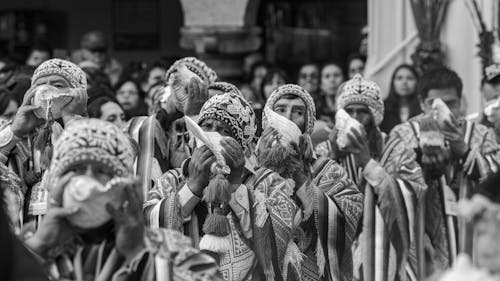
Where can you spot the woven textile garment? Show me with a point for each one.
(483, 159)
(394, 212)
(326, 235)
(393, 186)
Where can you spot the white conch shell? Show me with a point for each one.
(179, 80)
(51, 101)
(212, 140)
(90, 196)
(491, 108)
(440, 111)
(343, 123)
(288, 130)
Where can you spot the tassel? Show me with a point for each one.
(215, 244)
(274, 158)
(217, 223)
(218, 190)
(293, 257)
(217, 227)
(43, 144)
(263, 249)
(320, 258)
(217, 232)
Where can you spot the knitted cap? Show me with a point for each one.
(92, 141)
(66, 69)
(236, 112)
(195, 65)
(361, 91)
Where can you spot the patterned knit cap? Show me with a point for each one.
(198, 67)
(225, 88)
(361, 91)
(66, 69)
(92, 141)
(235, 111)
(296, 90)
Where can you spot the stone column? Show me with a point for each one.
(221, 32)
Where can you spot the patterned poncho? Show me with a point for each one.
(168, 255)
(261, 220)
(331, 206)
(393, 186)
(338, 208)
(481, 160)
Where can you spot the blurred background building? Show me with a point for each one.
(223, 32)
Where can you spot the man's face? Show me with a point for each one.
(212, 125)
(294, 109)
(309, 78)
(361, 113)
(37, 57)
(449, 96)
(53, 80)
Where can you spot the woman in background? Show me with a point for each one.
(107, 109)
(402, 102)
(131, 98)
(332, 77)
(355, 64)
(8, 105)
(274, 78)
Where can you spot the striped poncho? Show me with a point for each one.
(393, 186)
(446, 235)
(337, 208)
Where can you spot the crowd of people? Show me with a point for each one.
(162, 171)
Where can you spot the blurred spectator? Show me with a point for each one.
(153, 74)
(7, 70)
(332, 77)
(38, 54)
(402, 103)
(250, 61)
(107, 109)
(131, 98)
(251, 89)
(274, 78)
(94, 48)
(98, 84)
(355, 65)
(134, 70)
(308, 78)
(8, 105)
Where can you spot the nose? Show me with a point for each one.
(288, 114)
